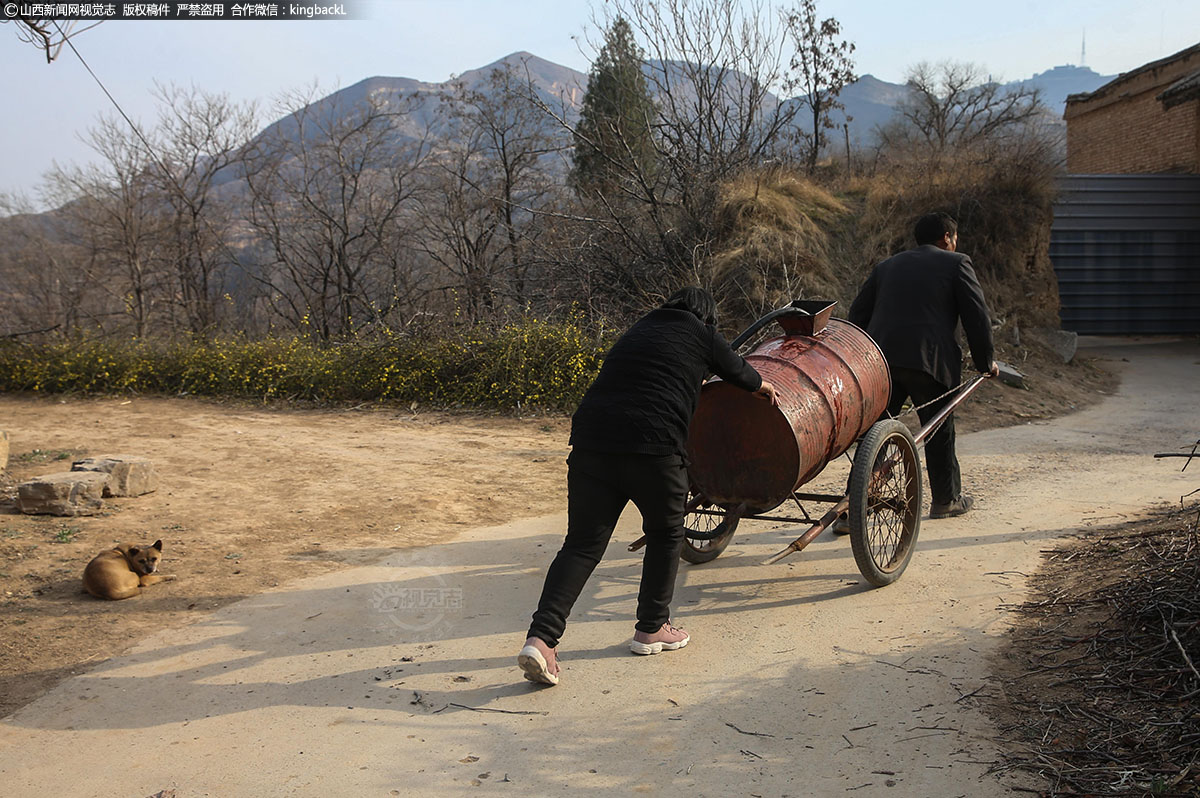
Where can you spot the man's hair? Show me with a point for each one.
(930, 228)
(694, 300)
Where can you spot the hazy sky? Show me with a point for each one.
(47, 106)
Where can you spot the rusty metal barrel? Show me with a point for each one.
(833, 384)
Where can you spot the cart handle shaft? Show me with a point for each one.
(929, 429)
(813, 532)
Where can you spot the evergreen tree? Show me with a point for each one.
(614, 152)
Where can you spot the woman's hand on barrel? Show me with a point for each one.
(767, 391)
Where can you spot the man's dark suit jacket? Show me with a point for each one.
(911, 305)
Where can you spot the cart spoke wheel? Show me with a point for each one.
(885, 502)
(705, 536)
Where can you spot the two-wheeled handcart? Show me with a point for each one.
(747, 457)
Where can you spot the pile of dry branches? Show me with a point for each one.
(1102, 689)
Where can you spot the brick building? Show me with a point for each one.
(1126, 237)
(1146, 121)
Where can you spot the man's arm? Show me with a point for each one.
(864, 304)
(976, 321)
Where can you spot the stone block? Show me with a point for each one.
(1010, 376)
(1062, 342)
(66, 493)
(3, 450)
(129, 475)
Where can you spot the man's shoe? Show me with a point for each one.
(956, 507)
(841, 526)
(539, 662)
(667, 638)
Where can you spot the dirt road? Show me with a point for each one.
(398, 678)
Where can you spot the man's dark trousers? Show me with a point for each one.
(599, 485)
(945, 482)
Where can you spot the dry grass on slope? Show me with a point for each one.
(771, 229)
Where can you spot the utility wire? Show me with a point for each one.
(159, 162)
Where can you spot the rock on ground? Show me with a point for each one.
(1063, 343)
(129, 475)
(66, 493)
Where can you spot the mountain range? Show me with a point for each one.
(869, 102)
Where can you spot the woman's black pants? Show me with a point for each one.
(599, 485)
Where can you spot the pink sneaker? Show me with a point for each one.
(667, 638)
(539, 662)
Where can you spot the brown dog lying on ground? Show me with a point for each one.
(122, 572)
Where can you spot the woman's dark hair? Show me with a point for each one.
(930, 228)
(694, 300)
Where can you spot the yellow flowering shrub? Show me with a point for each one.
(527, 363)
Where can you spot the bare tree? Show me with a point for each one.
(44, 290)
(201, 140)
(144, 217)
(486, 188)
(712, 69)
(46, 34)
(956, 106)
(821, 67)
(329, 192)
(463, 231)
(117, 218)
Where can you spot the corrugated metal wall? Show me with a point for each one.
(1126, 249)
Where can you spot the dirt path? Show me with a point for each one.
(253, 498)
(397, 677)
